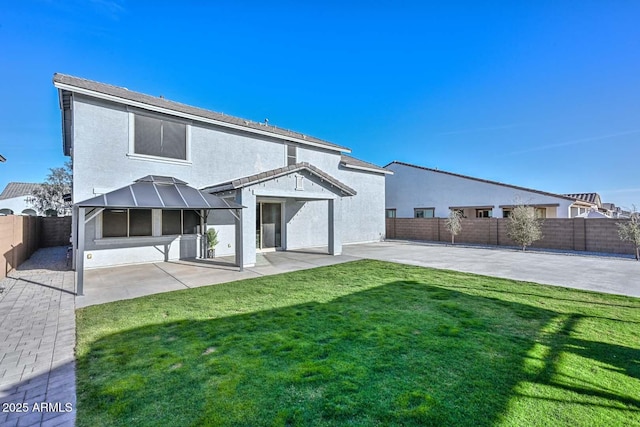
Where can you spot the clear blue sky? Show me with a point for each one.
(543, 94)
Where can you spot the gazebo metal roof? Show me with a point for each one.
(158, 192)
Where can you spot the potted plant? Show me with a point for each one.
(212, 241)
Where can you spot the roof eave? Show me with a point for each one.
(362, 168)
(120, 100)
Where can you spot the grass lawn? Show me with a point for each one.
(365, 343)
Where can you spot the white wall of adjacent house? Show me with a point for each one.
(410, 189)
(17, 205)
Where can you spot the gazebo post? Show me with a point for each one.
(80, 251)
(239, 239)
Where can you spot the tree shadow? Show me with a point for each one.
(401, 354)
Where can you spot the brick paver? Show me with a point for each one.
(37, 340)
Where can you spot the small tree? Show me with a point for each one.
(454, 224)
(523, 227)
(48, 197)
(630, 231)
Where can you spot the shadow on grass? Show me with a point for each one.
(405, 353)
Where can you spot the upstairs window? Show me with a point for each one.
(390, 213)
(292, 155)
(424, 212)
(160, 137)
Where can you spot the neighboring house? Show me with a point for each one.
(297, 191)
(16, 199)
(592, 199)
(420, 192)
(2, 159)
(613, 211)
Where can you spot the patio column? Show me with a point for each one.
(246, 198)
(335, 219)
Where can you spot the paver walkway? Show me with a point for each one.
(37, 340)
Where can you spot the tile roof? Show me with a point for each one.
(127, 95)
(18, 189)
(587, 197)
(357, 163)
(275, 173)
(544, 193)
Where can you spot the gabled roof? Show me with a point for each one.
(158, 192)
(123, 95)
(592, 213)
(2, 159)
(593, 198)
(275, 173)
(18, 189)
(353, 163)
(486, 181)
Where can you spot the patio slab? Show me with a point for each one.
(615, 275)
(102, 285)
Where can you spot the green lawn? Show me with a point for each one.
(365, 343)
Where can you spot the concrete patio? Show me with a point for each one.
(615, 275)
(131, 281)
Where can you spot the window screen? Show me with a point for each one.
(160, 138)
(114, 223)
(292, 155)
(140, 222)
(171, 222)
(191, 220)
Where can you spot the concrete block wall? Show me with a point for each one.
(576, 234)
(55, 231)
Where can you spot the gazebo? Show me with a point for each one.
(151, 192)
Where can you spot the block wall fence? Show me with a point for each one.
(21, 236)
(575, 234)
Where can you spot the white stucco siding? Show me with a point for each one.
(327, 161)
(363, 214)
(102, 162)
(219, 156)
(306, 224)
(412, 187)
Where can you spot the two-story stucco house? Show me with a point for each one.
(419, 192)
(297, 191)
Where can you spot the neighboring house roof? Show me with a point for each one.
(126, 96)
(18, 189)
(353, 163)
(593, 198)
(486, 181)
(158, 192)
(2, 159)
(275, 173)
